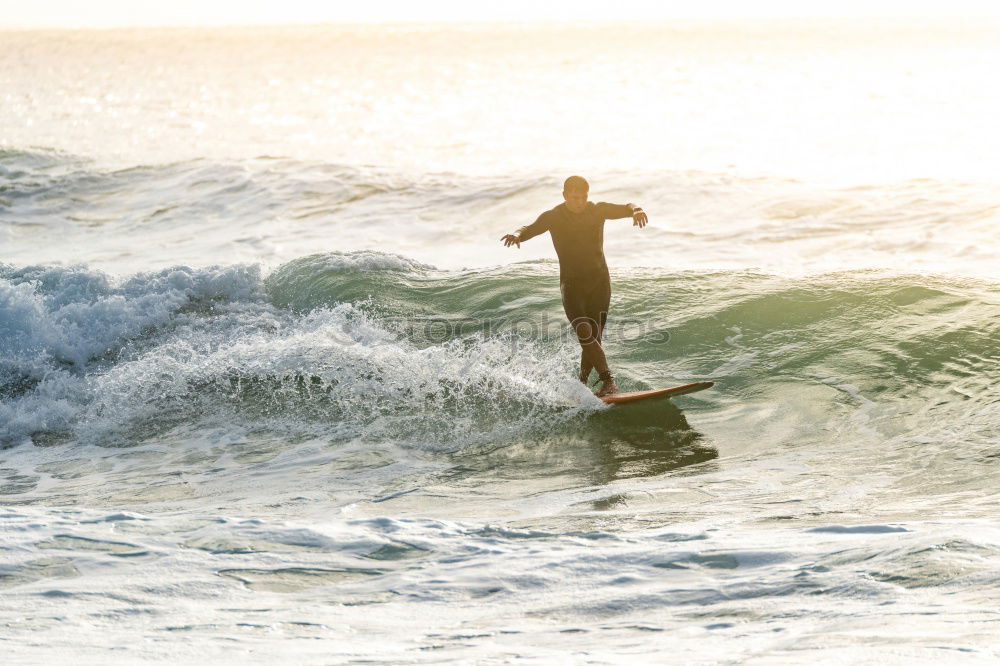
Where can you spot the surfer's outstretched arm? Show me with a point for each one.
(619, 211)
(539, 226)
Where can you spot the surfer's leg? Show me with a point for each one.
(586, 366)
(587, 359)
(584, 326)
(587, 313)
(592, 356)
(598, 302)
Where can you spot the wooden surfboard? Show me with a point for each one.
(636, 396)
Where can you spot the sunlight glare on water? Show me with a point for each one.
(847, 100)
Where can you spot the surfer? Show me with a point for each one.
(577, 230)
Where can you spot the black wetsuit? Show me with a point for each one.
(583, 272)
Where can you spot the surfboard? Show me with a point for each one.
(636, 396)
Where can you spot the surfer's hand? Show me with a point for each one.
(511, 239)
(639, 218)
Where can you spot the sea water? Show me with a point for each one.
(272, 389)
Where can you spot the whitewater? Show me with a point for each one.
(272, 389)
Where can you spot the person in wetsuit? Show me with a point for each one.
(577, 230)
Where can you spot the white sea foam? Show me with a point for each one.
(97, 358)
(61, 325)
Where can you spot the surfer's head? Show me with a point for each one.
(575, 191)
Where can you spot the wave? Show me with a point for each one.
(101, 361)
(379, 346)
(59, 191)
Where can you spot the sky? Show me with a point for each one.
(121, 13)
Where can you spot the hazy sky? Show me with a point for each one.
(109, 13)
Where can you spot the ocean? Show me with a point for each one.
(271, 388)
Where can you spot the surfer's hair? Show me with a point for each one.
(576, 183)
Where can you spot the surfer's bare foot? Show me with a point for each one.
(608, 386)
